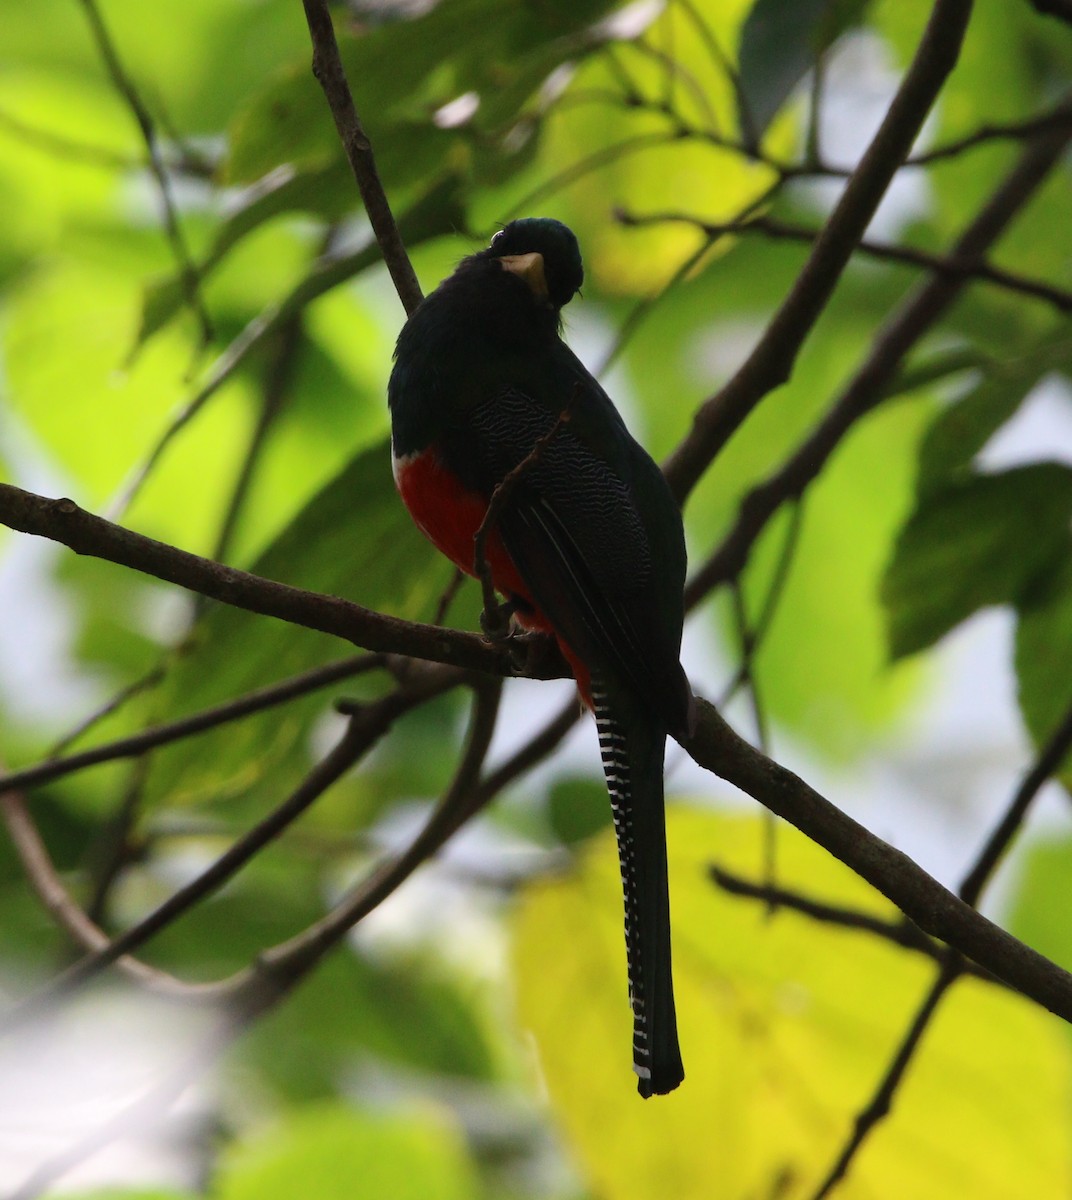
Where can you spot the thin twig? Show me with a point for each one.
(278, 377)
(112, 705)
(278, 969)
(65, 911)
(1047, 762)
(209, 718)
(985, 133)
(431, 214)
(366, 726)
(963, 268)
(898, 932)
(878, 1107)
(869, 386)
(771, 360)
(115, 847)
(125, 86)
(327, 67)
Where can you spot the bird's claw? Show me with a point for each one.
(496, 623)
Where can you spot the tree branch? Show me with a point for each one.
(935, 909)
(209, 718)
(868, 386)
(124, 85)
(367, 724)
(771, 361)
(64, 910)
(906, 255)
(63, 521)
(328, 69)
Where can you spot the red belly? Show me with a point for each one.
(449, 516)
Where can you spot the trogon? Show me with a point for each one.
(585, 543)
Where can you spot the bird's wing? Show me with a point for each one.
(572, 526)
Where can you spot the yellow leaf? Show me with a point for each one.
(786, 1026)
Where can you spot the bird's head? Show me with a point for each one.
(544, 253)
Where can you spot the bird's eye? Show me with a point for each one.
(495, 236)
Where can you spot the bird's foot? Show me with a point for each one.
(525, 649)
(496, 622)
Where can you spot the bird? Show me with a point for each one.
(584, 541)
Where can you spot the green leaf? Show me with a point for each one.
(983, 540)
(403, 71)
(781, 40)
(962, 429)
(332, 1152)
(1043, 654)
(354, 539)
(786, 1025)
(326, 191)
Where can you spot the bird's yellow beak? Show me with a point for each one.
(530, 268)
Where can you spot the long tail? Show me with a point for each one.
(632, 744)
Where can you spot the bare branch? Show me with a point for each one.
(209, 718)
(869, 385)
(985, 133)
(935, 909)
(125, 86)
(63, 521)
(898, 931)
(367, 725)
(327, 67)
(278, 969)
(65, 911)
(962, 268)
(771, 361)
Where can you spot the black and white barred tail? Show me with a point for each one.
(632, 743)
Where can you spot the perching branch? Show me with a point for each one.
(63, 521)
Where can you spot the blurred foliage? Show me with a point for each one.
(782, 1018)
(401, 1068)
